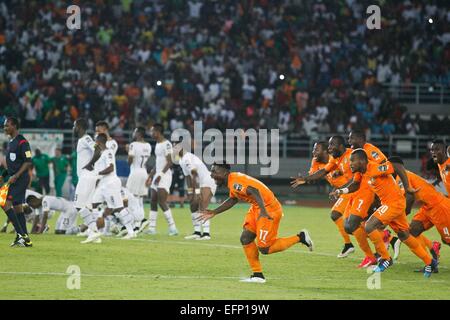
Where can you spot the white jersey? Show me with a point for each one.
(106, 159)
(162, 150)
(51, 203)
(85, 152)
(140, 151)
(189, 162)
(112, 145)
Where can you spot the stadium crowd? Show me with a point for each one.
(302, 66)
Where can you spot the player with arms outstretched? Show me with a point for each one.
(262, 219)
(392, 209)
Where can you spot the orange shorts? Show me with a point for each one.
(439, 216)
(341, 203)
(360, 203)
(266, 230)
(393, 215)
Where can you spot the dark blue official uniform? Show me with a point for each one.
(17, 153)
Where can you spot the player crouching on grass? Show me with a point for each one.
(262, 219)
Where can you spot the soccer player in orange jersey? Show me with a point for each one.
(339, 164)
(363, 201)
(392, 209)
(435, 209)
(262, 219)
(336, 180)
(440, 157)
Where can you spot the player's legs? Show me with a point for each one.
(267, 231)
(153, 215)
(355, 225)
(205, 198)
(252, 254)
(337, 216)
(162, 202)
(194, 207)
(372, 228)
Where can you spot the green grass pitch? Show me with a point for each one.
(163, 267)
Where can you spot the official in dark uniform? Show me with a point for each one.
(18, 161)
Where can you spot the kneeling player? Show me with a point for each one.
(68, 213)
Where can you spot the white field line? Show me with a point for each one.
(175, 277)
(305, 251)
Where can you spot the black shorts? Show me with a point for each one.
(16, 192)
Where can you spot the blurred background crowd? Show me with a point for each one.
(301, 66)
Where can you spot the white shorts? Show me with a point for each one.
(66, 220)
(84, 190)
(136, 182)
(164, 183)
(209, 183)
(109, 192)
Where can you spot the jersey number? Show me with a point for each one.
(143, 160)
(446, 231)
(383, 209)
(360, 204)
(263, 235)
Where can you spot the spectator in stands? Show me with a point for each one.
(135, 60)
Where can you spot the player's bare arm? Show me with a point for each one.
(150, 177)
(254, 193)
(226, 205)
(302, 180)
(106, 171)
(401, 172)
(410, 199)
(95, 157)
(352, 187)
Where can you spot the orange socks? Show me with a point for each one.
(416, 247)
(252, 254)
(377, 239)
(361, 236)
(340, 225)
(425, 242)
(283, 243)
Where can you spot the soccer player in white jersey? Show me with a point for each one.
(68, 213)
(200, 188)
(161, 180)
(132, 203)
(103, 127)
(139, 152)
(108, 190)
(86, 177)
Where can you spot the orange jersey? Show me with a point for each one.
(340, 168)
(374, 154)
(333, 181)
(445, 175)
(238, 184)
(427, 194)
(379, 178)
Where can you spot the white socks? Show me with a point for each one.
(196, 223)
(169, 218)
(152, 219)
